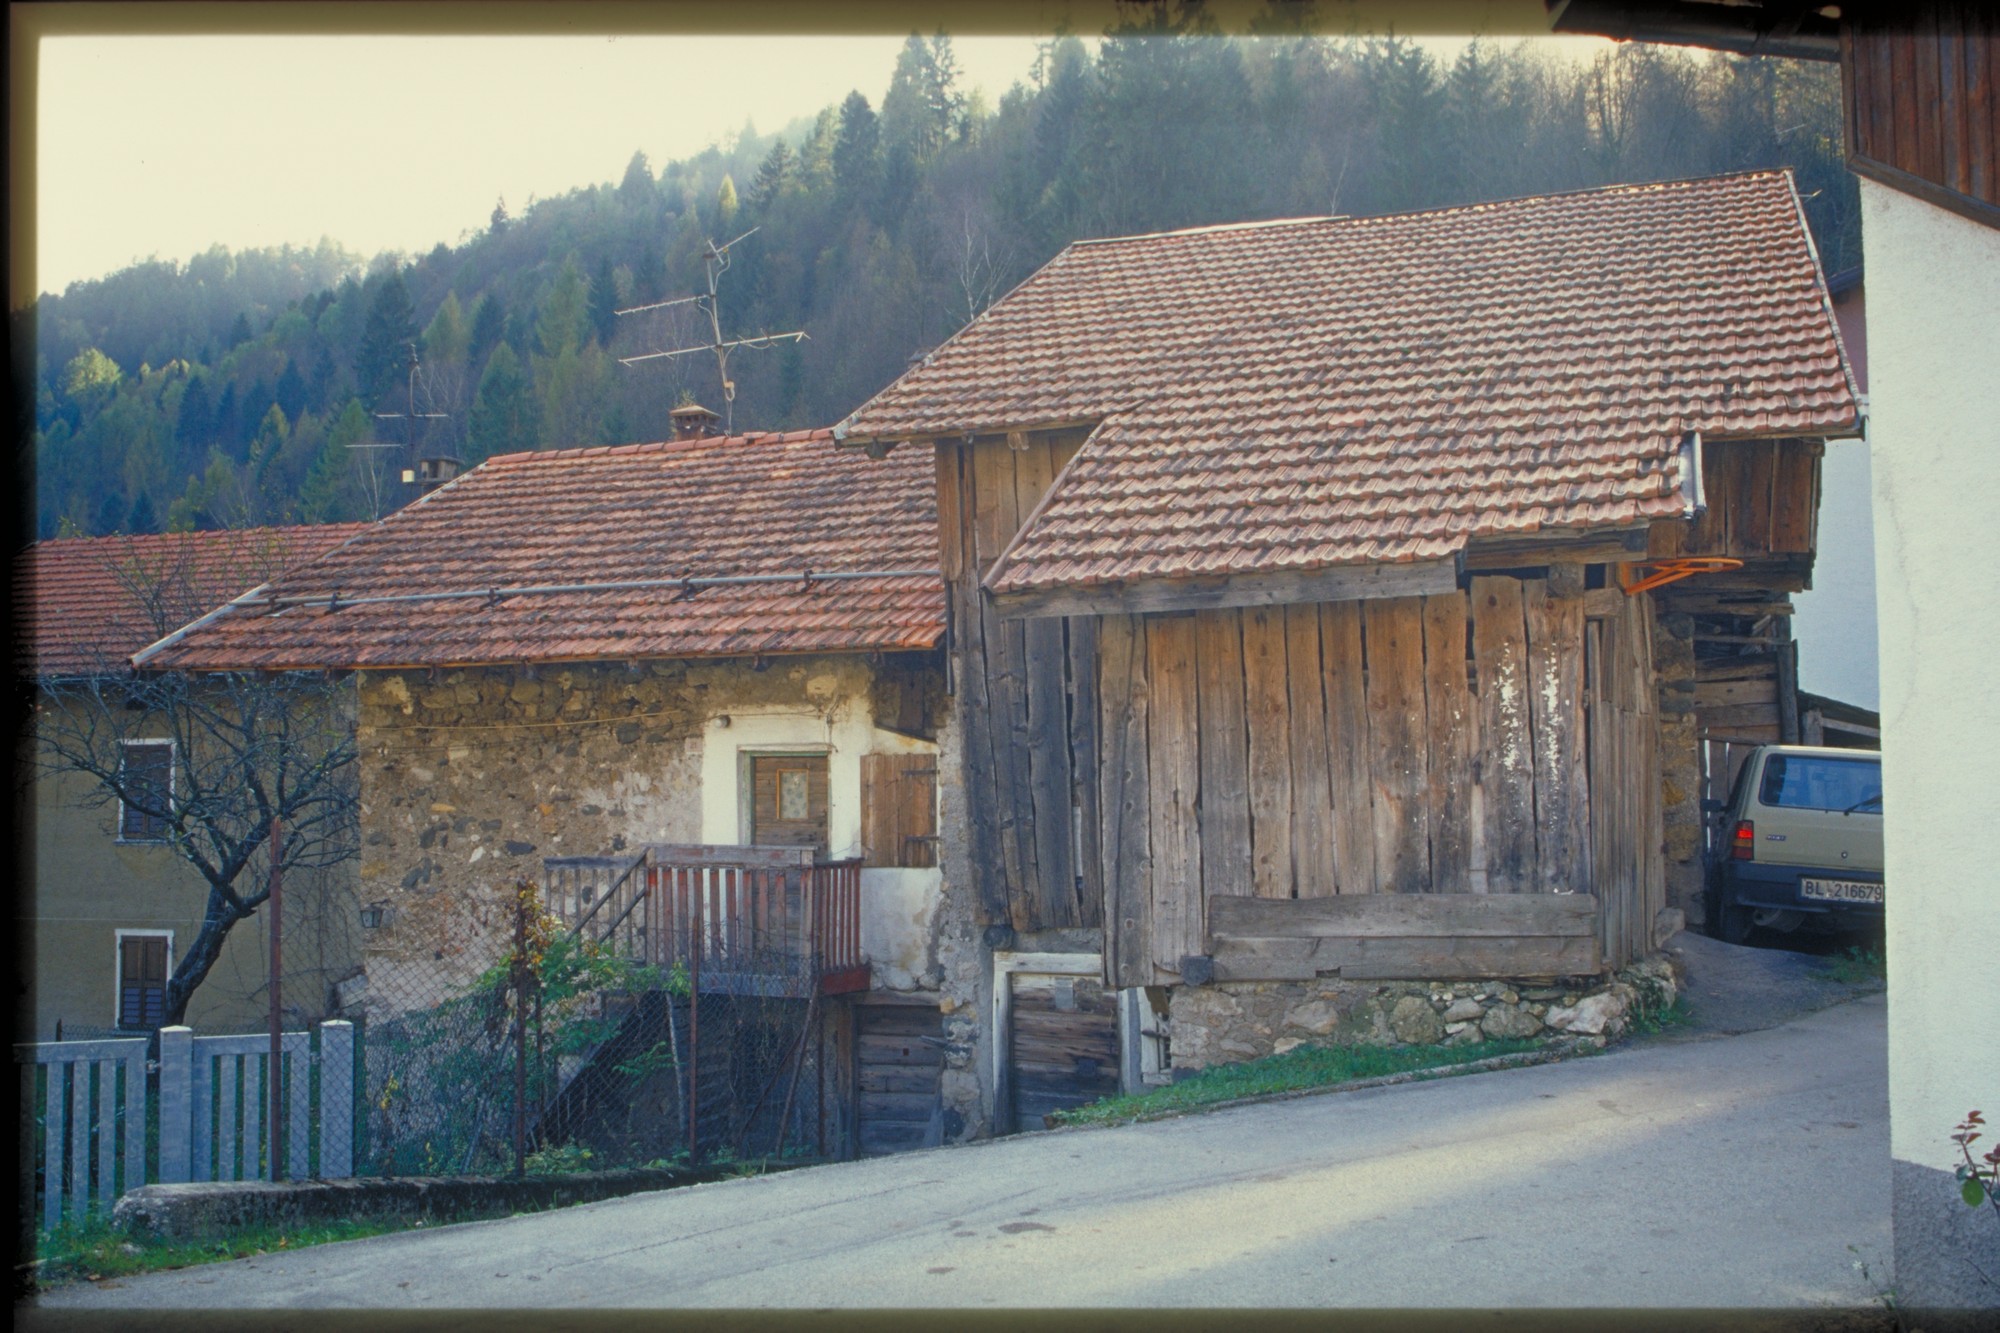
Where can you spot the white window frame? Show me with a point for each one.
(173, 783)
(119, 936)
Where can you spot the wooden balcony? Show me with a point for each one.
(741, 920)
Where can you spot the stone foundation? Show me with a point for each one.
(1234, 1021)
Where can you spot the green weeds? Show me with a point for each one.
(1294, 1071)
(1858, 965)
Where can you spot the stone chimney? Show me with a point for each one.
(693, 422)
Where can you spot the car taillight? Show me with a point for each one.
(1743, 842)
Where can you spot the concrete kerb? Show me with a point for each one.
(194, 1210)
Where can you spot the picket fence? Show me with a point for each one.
(84, 1114)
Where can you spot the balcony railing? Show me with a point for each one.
(740, 920)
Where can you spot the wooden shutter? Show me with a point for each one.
(899, 809)
(142, 981)
(147, 768)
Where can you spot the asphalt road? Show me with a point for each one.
(1748, 1170)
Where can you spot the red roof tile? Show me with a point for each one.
(1293, 395)
(718, 508)
(86, 604)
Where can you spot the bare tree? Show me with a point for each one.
(247, 748)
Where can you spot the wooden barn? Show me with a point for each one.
(1325, 594)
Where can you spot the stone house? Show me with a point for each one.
(108, 908)
(657, 652)
(1337, 606)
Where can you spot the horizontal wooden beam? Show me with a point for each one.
(1346, 583)
(1408, 958)
(1592, 547)
(1391, 915)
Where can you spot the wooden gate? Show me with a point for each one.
(1062, 1045)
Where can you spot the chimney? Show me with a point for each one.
(435, 472)
(693, 422)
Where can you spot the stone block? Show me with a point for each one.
(1509, 1021)
(1415, 1022)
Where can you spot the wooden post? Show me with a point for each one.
(694, 1029)
(519, 979)
(274, 1071)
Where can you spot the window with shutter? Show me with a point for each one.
(142, 980)
(789, 798)
(147, 770)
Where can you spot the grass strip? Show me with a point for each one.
(1299, 1070)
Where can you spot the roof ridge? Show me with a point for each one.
(658, 446)
(1619, 187)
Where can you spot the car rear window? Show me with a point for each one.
(1810, 782)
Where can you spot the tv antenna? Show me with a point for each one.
(410, 417)
(716, 260)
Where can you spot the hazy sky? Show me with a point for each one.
(165, 145)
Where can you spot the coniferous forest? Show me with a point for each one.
(233, 389)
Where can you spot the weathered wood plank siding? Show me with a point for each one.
(1028, 698)
(1422, 749)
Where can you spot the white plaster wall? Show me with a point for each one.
(897, 906)
(1934, 352)
(1835, 621)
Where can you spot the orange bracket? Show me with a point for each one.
(1673, 571)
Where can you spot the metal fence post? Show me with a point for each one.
(336, 1100)
(176, 1104)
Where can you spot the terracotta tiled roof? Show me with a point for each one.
(1361, 390)
(85, 604)
(718, 508)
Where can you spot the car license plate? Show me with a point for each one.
(1840, 891)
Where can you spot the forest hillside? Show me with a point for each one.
(242, 388)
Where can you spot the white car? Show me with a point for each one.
(1801, 844)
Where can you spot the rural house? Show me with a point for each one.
(689, 688)
(110, 908)
(1337, 604)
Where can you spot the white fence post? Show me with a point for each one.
(176, 1105)
(336, 1100)
(298, 1104)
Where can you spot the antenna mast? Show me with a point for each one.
(716, 261)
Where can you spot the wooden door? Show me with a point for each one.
(1062, 1045)
(899, 1062)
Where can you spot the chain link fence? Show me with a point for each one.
(563, 1054)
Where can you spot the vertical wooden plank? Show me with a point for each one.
(1555, 695)
(949, 460)
(977, 774)
(1267, 705)
(1452, 742)
(1312, 780)
(1085, 750)
(874, 794)
(55, 1142)
(1507, 764)
(107, 1130)
(135, 1118)
(1603, 790)
(1652, 849)
(1398, 728)
(1225, 758)
(79, 1138)
(1046, 667)
(1125, 848)
(225, 1118)
(1755, 515)
(1348, 744)
(1793, 491)
(1006, 687)
(298, 1103)
(1174, 786)
(202, 1159)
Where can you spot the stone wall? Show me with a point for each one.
(471, 777)
(1234, 1021)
